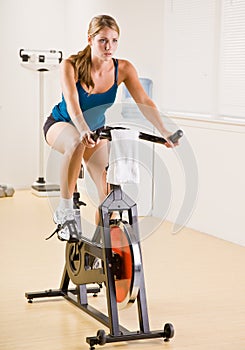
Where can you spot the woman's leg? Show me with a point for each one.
(64, 138)
(96, 160)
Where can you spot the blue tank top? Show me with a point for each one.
(92, 105)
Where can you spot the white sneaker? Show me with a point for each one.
(68, 227)
(62, 215)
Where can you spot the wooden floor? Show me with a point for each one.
(194, 281)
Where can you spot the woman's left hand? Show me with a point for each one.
(169, 143)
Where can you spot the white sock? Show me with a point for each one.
(65, 203)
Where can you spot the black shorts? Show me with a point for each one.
(49, 122)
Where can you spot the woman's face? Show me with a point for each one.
(104, 44)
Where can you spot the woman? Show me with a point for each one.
(89, 82)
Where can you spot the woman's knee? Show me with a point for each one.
(73, 147)
(74, 152)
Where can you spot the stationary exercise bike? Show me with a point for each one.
(116, 246)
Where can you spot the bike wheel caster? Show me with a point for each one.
(30, 301)
(101, 337)
(168, 331)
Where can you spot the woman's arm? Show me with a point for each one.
(129, 76)
(68, 85)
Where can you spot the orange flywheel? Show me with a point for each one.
(127, 282)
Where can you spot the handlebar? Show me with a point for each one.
(105, 133)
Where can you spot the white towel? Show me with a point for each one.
(123, 158)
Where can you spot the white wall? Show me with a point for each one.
(192, 86)
(221, 199)
(216, 192)
(25, 24)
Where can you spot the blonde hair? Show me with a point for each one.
(82, 60)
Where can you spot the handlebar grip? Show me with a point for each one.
(95, 135)
(176, 136)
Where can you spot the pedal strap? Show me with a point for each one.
(71, 225)
(56, 231)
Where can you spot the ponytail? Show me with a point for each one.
(82, 65)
